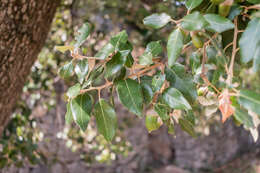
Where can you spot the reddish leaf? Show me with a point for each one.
(225, 105)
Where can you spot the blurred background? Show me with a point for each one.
(38, 141)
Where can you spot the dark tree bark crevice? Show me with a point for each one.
(24, 26)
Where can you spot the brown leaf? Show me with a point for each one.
(225, 105)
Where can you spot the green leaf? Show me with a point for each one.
(81, 69)
(175, 99)
(81, 108)
(187, 127)
(83, 34)
(243, 118)
(151, 123)
(178, 79)
(256, 65)
(218, 23)
(130, 95)
(235, 11)
(162, 110)
(249, 42)
(194, 21)
(63, 49)
(156, 20)
(146, 84)
(254, 1)
(120, 38)
(174, 46)
(191, 4)
(106, 119)
(157, 82)
(66, 71)
(250, 100)
(105, 51)
(74, 90)
(146, 58)
(154, 48)
(68, 116)
(115, 65)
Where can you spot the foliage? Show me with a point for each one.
(215, 31)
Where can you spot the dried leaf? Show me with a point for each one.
(225, 105)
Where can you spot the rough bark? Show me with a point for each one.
(24, 25)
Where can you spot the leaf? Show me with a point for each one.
(175, 99)
(130, 95)
(68, 116)
(106, 119)
(250, 100)
(105, 51)
(74, 90)
(191, 4)
(187, 127)
(146, 58)
(254, 130)
(244, 118)
(249, 41)
(256, 64)
(156, 20)
(174, 46)
(154, 48)
(152, 123)
(115, 65)
(83, 34)
(194, 21)
(157, 82)
(234, 11)
(254, 1)
(146, 84)
(225, 105)
(162, 110)
(120, 38)
(63, 49)
(81, 109)
(218, 23)
(66, 71)
(178, 79)
(81, 69)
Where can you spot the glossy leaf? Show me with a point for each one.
(244, 118)
(174, 46)
(249, 42)
(156, 20)
(191, 4)
(218, 23)
(152, 123)
(74, 90)
(146, 58)
(180, 80)
(175, 99)
(162, 110)
(115, 65)
(250, 100)
(256, 64)
(81, 108)
(130, 95)
(105, 51)
(81, 69)
(66, 71)
(68, 116)
(120, 38)
(187, 127)
(194, 21)
(154, 48)
(157, 82)
(106, 119)
(146, 84)
(83, 34)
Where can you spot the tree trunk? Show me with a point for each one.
(24, 26)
